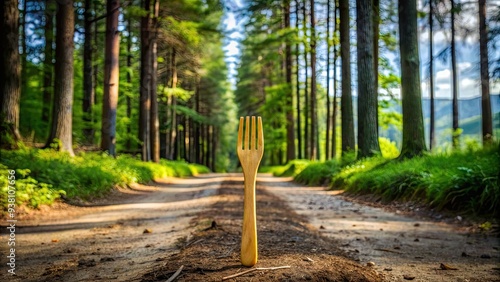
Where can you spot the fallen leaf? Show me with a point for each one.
(447, 267)
(55, 240)
(370, 264)
(147, 230)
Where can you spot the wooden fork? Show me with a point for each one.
(250, 156)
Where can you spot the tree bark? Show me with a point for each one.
(432, 139)
(10, 73)
(347, 122)
(328, 106)
(88, 79)
(297, 83)
(307, 151)
(48, 68)
(129, 84)
(145, 88)
(111, 78)
(290, 134)
(367, 98)
(454, 85)
(314, 122)
(413, 122)
(173, 111)
(62, 112)
(487, 119)
(334, 115)
(155, 123)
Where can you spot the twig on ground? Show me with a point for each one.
(193, 242)
(172, 278)
(308, 259)
(254, 269)
(387, 250)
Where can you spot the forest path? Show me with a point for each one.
(131, 232)
(398, 245)
(116, 239)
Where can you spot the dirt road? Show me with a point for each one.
(127, 237)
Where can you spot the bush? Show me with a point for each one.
(318, 173)
(86, 175)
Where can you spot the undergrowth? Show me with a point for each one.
(42, 176)
(467, 181)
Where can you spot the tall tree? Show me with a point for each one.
(297, 83)
(307, 151)
(432, 139)
(145, 88)
(10, 72)
(348, 143)
(454, 84)
(328, 106)
(487, 120)
(62, 111)
(314, 114)
(48, 56)
(290, 135)
(367, 98)
(111, 78)
(413, 123)
(129, 82)
(88, 76)
(334, 106)
(154, 121)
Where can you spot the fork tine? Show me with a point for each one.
(240, 134)
(254, 130)
(247, 133)
(261, 134)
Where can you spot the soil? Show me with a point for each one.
(148, 232)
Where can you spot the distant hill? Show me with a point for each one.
(469, 111)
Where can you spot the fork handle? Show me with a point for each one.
(249, 232)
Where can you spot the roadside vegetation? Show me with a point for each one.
(466, 181)
(43, 176)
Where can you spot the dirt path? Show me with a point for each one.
(397, 245)
(111, 241)
(148, 232)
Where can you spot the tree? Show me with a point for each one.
(10, 72)
(154, 121)
(454, 84)
(290, 135)
(432, 139)
(111, 78)
(297, 82)
(346, 99)
(62, 111)
(145, 88)
(487, 123)
(367, 98)
(413, 123)
(314, 117)
(328, 115)
(88, 79)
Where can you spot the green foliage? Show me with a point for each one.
(86, 175)
(317, 173)
(388, 148)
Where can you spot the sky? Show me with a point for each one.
(467, 57)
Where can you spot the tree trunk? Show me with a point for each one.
(62, 111)
(454, 86)
(376, 32)
(10, 73)
(290, 134)
(47, 61)
(487, 120)
(173, 111)
(111, 78)
(314, 122)
(413, 122)
(88, 82)
(297, 83)
(348, 143)
(145, 88)
(24, 47)
(328, 106)
(432, 139)
(334, 115)
(129, 84)
(155, 123)
(367, 98)
(307, 151)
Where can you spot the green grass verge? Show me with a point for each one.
(42, 176)
(463, 181)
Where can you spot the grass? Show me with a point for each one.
(42, 176)
(291, 169)
(462, 181)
